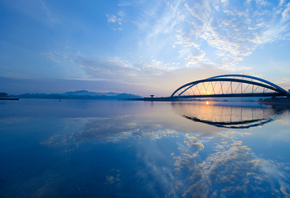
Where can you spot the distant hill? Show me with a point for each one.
(87, 93)
(82, 94)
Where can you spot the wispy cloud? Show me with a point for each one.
(50, 18)
(182, 34)
(234, 31)
(219, 32)
(156, 75)
(56, 57)
(109, 67)
(202, 32)
(286, 13)
(116, 19)
(160, 39)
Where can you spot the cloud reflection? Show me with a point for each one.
(231, 169)
(195, 163)
(115, 130)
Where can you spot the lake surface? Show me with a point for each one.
(78, 148)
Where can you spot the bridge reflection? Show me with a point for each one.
(240, 117)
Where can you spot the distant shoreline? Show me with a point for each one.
(268, 101)
(9, 98)
(82, 94)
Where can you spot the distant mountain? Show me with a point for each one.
(82, 94)
(88, 93)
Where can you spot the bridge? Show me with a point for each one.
(232, 85)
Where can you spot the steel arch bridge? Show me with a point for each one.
(231, 85)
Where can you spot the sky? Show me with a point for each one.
(139, 46)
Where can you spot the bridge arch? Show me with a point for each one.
(231, 85)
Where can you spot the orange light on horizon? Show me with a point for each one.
(207, 102)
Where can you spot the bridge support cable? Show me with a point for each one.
(192, 91)
(205, 88)
(198, 89)
(246, 88)
(208, 86)
(256, 88)
(214, 86)
(228, 88)
(221, 87)
(237, 88)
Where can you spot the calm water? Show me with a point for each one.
(79, 148)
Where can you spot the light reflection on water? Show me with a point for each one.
(227, 116)
(143, 149)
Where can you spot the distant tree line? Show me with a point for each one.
(65, 96)
(73, 95)
(3, 94)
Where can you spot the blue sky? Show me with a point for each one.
(139, 46)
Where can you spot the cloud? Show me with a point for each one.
(160, 77)
(50, 18)
(286, 13)
(233, 31)
(122, 70)
(114, 19)
(115, 69)
(161, 39)
(194, 59)
(157, 37)
(56, 57)
(154, 76)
